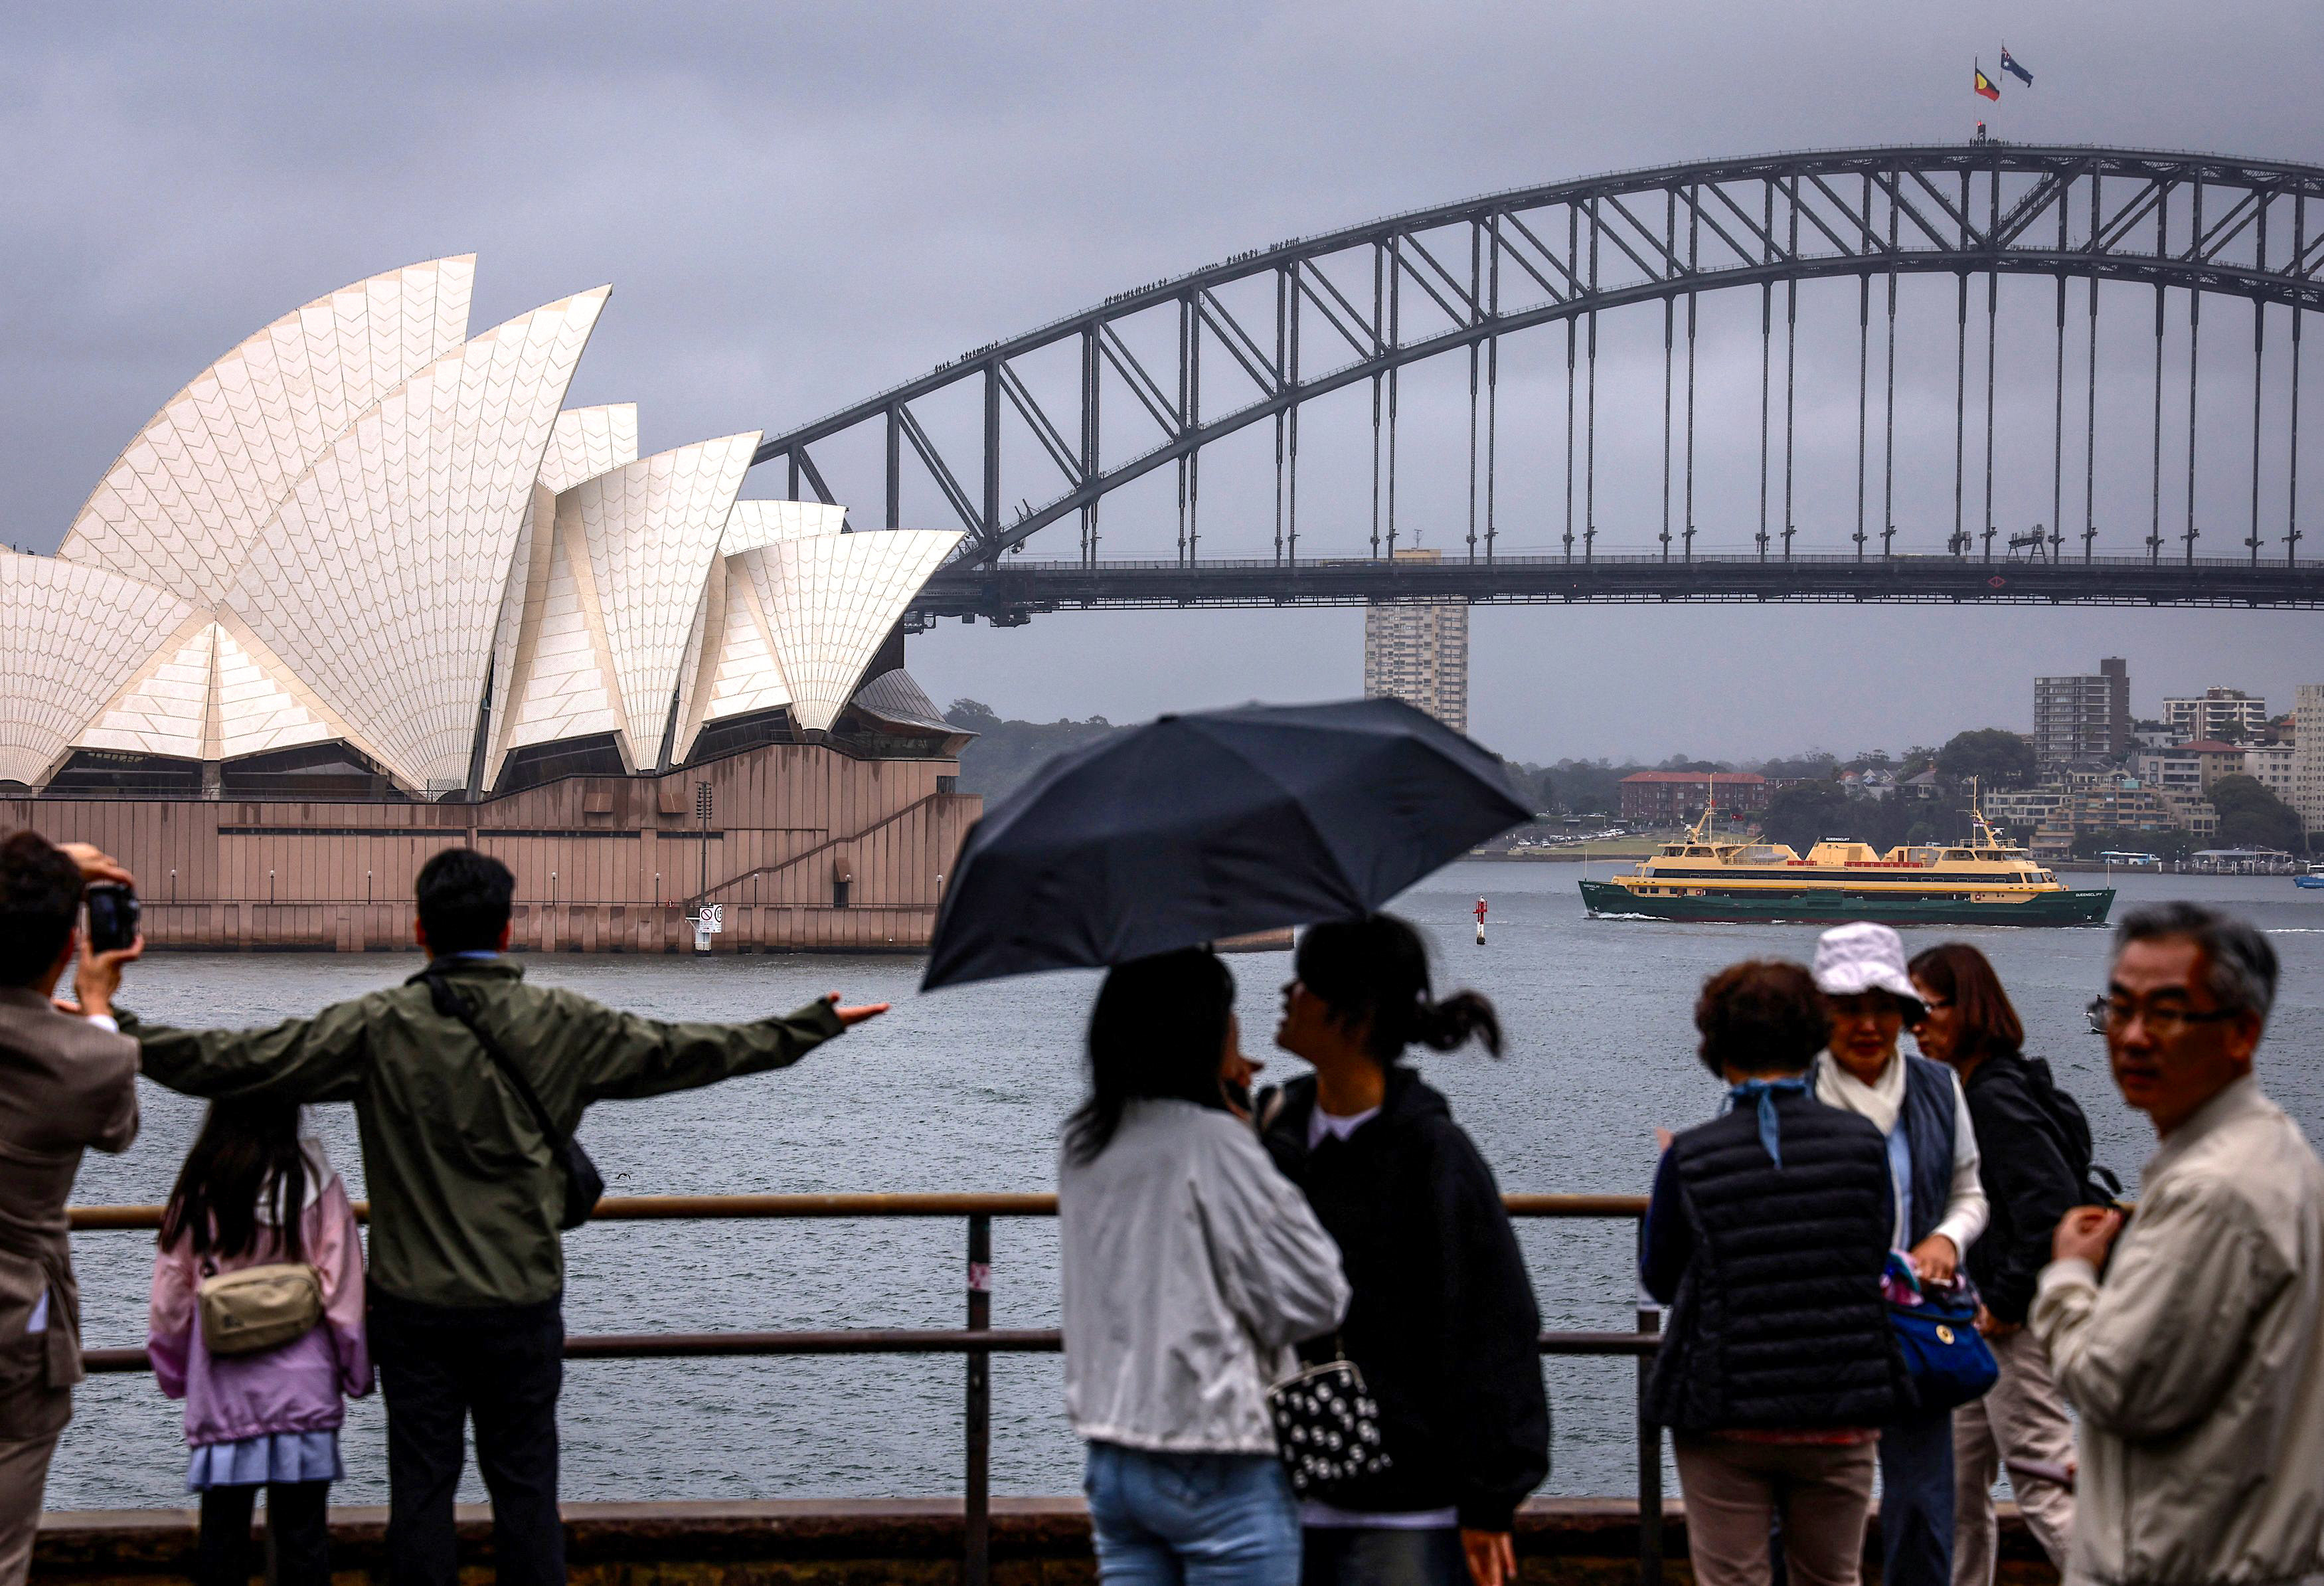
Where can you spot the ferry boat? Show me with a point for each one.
(1982, 882)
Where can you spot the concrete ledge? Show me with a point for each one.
(868, 1542)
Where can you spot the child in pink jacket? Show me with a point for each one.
(254, 1193)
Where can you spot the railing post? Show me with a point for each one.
(1650, 1451)
(976, 1564)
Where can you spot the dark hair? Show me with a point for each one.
(1374, 971)
(246, 1156)
(40, 899)
(463, 902)
(1959, 974)
(2238, 961)
(1761, 1016)
(1158, 1031)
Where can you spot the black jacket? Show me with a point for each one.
(1773, 1274)
(1442, 1324)
(2024, 1162)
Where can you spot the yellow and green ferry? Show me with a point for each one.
(1982, 882)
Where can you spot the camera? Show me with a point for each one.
(112, 917)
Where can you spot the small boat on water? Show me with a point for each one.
(1982, 882)
(2312, 879)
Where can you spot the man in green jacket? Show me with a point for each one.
(467, 1267)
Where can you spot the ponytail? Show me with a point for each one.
(1374, 971)
(1460, 1017)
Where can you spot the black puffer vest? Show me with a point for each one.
(1778, 1321)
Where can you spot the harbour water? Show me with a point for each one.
(963, 1090)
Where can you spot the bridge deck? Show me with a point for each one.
(1017, 587)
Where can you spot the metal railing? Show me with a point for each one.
(979, 1340)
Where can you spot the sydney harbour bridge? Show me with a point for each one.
(1023, 437)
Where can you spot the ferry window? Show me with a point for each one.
(1960, 854)
(1698, 854)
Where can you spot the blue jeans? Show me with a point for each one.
(1187, 1519)
(1916, 1499)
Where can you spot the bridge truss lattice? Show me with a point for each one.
(1363, 305)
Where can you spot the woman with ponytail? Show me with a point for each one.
(1443, 1324)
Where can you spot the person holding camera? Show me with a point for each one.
(67, 1082)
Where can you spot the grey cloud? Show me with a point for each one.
(800, 205)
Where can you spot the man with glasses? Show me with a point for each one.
(2197, 1360)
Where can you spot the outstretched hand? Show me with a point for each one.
(849, 1018)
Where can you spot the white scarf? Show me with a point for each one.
(1880, 1101)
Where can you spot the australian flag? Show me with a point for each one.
(2009, 64)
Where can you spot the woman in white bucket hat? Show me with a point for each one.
(1941, 1207)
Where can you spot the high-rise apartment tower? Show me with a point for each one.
(2083, 718)
(1418, 652)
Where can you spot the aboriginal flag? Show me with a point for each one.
(2009, 64)
(1984, 84)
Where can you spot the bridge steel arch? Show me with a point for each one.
(1361, 304)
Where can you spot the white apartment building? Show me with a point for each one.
(2241, 714)
(1418, 652)
(2168, 768)
(2275, 767)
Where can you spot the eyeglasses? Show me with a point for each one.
(2164, 1023)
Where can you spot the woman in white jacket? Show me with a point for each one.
(1190, 1268)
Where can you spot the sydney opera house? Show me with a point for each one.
(366, 587)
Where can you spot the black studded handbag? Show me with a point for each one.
(1327, 1428)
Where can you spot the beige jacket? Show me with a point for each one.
(2197, 1366)
(65, 1084)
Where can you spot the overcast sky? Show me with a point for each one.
(800, 205)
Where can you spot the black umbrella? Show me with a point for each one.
(1206, 825)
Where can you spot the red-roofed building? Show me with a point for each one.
(1669, 798)
(2216, 758)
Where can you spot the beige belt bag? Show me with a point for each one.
(259, 1308)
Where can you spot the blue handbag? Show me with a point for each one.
(1946, 1361)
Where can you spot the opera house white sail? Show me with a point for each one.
(367, 538)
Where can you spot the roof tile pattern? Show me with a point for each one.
(71, 637)
(183, 503)
(589, 441)
(651, 530)
(583, 443)
(167, 704)
(748, 677)
(379, 579)
(830, 600)
(563, 689)
(755, 524)
(259, 706)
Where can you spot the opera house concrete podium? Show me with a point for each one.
(366, 587)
